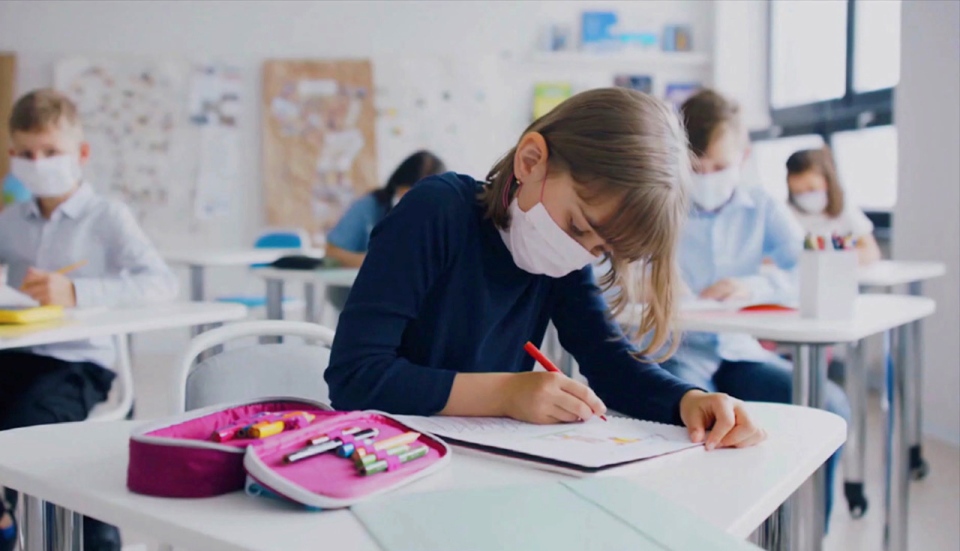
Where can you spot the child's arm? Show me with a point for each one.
(606, 358)
(347, 259)
(136, 272)
(782, 245)
(868, 251)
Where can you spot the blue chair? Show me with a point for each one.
(271, 239)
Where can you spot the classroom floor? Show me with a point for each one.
(934, 502)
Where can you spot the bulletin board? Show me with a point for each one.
(163, 134)
(319, 140)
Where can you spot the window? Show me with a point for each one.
(832, 63)
(806, 66)
(768, 160)
(876, 45)
(867, 166)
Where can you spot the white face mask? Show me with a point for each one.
(711, 191)
(539, 246)
(811, 202)
(50, 177)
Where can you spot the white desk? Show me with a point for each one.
(887, 274)
(889, 314)
(82, 467)
(117, 321)
(198, 261)
(276, 278)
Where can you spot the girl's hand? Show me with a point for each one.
(725, 417)
(546, 398)
(49, 288)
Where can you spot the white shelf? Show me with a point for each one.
(633, 60)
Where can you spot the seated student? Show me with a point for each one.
(67, 223)
(816, 199)
(462, 273)
(347, 241)
(730, 230)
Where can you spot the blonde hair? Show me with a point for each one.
(43, 109)
(616, 142)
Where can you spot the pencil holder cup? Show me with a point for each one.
(828, 284)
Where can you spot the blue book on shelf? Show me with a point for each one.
(597, 32)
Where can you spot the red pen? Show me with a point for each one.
(545, 361)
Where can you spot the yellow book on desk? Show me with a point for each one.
(29, 314)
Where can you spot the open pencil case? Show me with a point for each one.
(177, 457)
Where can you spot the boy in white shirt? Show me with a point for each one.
(67, 223)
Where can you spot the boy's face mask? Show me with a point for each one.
(48, 177)
(712, 191)
(539, 246)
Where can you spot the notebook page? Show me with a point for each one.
(594, 443)
(12, 298)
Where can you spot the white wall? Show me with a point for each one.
(927, 216)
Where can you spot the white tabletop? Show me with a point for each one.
(886, 273)
(116, 321)
(234, 257)
(872, 314)
(83, 467)
(324, 276)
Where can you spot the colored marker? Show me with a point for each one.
(372, 458)
(406, 457)
(263, 430)
(318, 449)
(398, 440)
(324, 439)
(545, 361)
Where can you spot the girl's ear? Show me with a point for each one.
(530, 160)
(84, 152)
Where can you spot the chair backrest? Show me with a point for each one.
(255, 371)
(120, 400)
(282, 239)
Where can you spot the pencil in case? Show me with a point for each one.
(34, 314)
(177, 458)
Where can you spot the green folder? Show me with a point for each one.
(602, 513)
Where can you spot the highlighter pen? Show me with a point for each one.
(382, 466)
(372, 458)
(398, 440)
(311, 451)
(545, 361)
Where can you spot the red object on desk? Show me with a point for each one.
(767, 308)
(545, 361)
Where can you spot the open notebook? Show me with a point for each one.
(583, 448)
(12, 298)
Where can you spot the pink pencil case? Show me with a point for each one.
(177, 458)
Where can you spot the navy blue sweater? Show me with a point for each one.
(439, 294)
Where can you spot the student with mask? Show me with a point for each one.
(462, 273)
(730, 231)
(816, 198)
(66, 223)
(347, 241)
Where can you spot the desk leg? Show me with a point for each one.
(807, 508)
(310, 298)
(196, 283)
(770, 535)
(913, 397)
(854, 454)
(899, 367)
(274, 306)
(37, 525)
